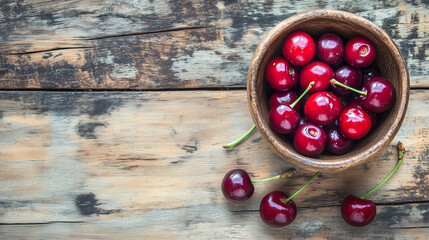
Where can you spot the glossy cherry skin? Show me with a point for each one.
(285, 98)
(358, 212)
(349, 76)
(354, 123)
(283, 119)
(280, 74)
(336, 142)
(274, 212)
(309, 140)
(380, 95)
(318, 72)
(237, 186)
(322, 108)
(370, 72)
(359, 52)
(373, 116)
(330, 49)
(299, 48)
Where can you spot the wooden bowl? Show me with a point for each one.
(347, 25)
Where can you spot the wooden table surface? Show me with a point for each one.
(113, 114)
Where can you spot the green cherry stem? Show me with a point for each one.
(302, 188)
(401, 152)
(240, 139)
(288, 173)
(335, 82)
(310, 85)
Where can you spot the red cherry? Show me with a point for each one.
(299, 48)
(373, 116)
(280, 74)
(283, 119)
(276, 213)
(349, 76)
(285, 98)
(330, 49)
(318, 72)
(336, 142)
(354, 123)
(237, 186)
(380, 95)
(322, 108)
(309, 140)
(358, 212)
(359, 52)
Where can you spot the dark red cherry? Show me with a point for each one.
(237, 186)
(283, 119)
(373, 116)
(318, 72)
(358, 212)
(285, 98)
(336, 142)
(330, 49)
(380, 95)
(370, 72)
(359, 52)
(299, 48)
(309, 140)
(349, 76)
(322, 108)
(276, 213)
(354, 123)
(280, 74)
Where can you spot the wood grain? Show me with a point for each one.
(149, 164)
(161, 45)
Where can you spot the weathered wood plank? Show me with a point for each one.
(160, 44)
(149, 163)
(410, 221)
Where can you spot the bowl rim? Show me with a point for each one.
(271, 137)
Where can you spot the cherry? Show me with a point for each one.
(277, 209)
(359, 212)
(359, 52)
(354, 123)
(237, 186)
(284, 119)
(373, 116)
(377, 94)
(309, 140)
(280, 74)
(318, 72)
(370, 72)
(322, 108)
(299, 48)
(380, 95)
(349, 76)
(330, 49)
(336, 142)
(285, 98)
(276, 213)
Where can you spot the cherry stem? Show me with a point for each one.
(401, 152)
(289, 198)
(288, 173)
(240, 139)
(335, 82)
(310, 85)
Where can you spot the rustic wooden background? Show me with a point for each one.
(113, 114)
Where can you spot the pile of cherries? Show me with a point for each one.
(336, 113)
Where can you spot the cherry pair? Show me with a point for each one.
(276, 208)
